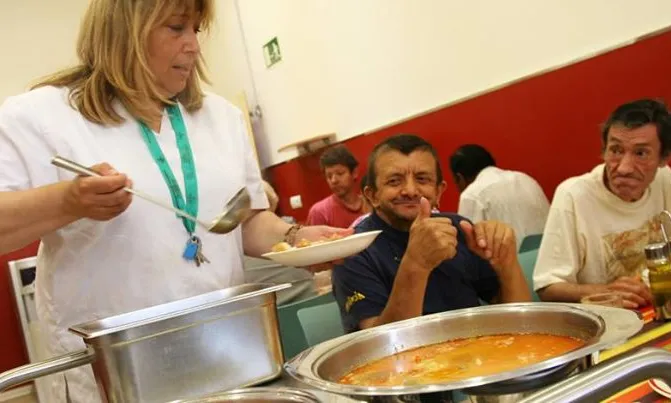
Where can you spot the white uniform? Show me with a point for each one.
(90, 269)
(512, 197)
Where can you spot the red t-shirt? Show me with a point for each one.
(333, 212)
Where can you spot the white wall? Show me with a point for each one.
(290, 86)
(225, 54)
(352, 66)
(37, 37)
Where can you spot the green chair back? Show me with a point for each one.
(321, 323)
(531, 242)
(291, 332)
(528, 261)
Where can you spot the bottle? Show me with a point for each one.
(659, 274)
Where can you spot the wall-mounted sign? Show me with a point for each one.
(271, 52)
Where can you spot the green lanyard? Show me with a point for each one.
(188, 168)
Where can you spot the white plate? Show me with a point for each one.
(324, 252)
(660, 387)
(621, 324)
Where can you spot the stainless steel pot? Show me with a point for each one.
(191, 347)
(322, 365)
(258, 395)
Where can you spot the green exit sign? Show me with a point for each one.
(271, 52)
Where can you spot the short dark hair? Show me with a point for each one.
(338, 155)
(639, 113)
(469, 160)
(405, 144)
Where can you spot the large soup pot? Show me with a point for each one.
(322, 365)
(183, 349)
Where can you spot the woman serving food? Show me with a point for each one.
(133, 108)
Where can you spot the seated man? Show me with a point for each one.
(421, 263)
(600, 222)
(345, 204)
(492, 193)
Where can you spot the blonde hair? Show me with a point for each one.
(112, 49)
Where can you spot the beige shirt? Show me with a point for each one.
(512, 197)
(592, 236)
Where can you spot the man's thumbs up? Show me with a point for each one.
(424, 209)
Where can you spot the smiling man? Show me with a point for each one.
(422, 262)
(600, 222)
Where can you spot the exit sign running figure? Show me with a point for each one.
(271, 52)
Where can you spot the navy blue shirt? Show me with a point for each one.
(362, 284)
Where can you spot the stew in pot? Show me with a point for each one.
(460, 359)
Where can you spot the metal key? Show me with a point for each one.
(200, 257)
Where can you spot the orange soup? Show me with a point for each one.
(460, 359)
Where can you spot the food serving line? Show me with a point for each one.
(225, 346)
(192, 349)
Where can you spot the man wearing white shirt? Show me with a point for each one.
(600, 222)
(491, 193)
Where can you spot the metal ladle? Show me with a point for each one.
(235, 211)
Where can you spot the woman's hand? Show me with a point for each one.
(320, 232)
(98, 198)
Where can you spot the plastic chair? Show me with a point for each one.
(321, 323)
(528, 261)
(531, 242)
(291, 332)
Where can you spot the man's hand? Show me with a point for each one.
(633, 290)
(432, 239)
(493, 241)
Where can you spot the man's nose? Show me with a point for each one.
(410, 188)
(626, 165)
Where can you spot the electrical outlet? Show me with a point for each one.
(296, 202)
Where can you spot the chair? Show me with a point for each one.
(531, 242)
(528, 261)
(291, 332)
(321, 323)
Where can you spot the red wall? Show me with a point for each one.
(12, 349)
(547, 126)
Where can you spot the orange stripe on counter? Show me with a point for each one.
(631, 394)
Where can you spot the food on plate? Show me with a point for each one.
(280, 247)
(460, 359)
(283, 246)
(303, 243)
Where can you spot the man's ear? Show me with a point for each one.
(369, 193)
(440, 190)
